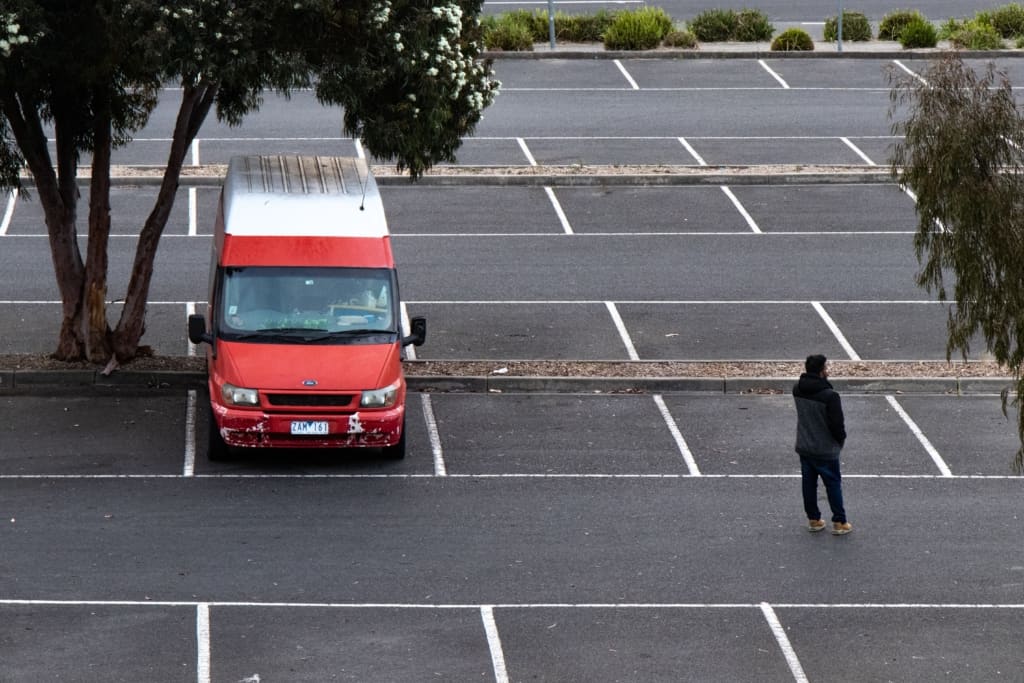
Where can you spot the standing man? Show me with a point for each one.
(820, 435)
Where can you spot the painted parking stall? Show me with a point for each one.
(654, 536)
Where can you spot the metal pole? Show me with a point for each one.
(839, 25)
(551, 22)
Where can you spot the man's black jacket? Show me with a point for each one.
(820, 428)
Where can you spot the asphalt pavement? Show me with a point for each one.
(641, 531)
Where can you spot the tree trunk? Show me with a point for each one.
(196, 103)
(97, 331)
(67, 258)
(58, 195)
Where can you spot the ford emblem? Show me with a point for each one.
(309, 382)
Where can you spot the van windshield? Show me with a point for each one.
(310, 304)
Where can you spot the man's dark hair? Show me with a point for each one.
(815, 363)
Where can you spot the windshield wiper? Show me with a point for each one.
(344, 334)
(291, 330)
(355, 333)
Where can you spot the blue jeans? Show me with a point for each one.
(829, 472)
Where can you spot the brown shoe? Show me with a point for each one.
(815, 525)
(840, 528)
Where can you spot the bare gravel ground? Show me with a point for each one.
(548, 368)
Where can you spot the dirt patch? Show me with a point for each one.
(217, 171)
(550, 368)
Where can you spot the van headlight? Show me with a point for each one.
(379, 398)
(239, 396)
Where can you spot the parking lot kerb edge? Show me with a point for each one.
(86, 382)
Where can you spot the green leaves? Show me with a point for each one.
(963, 156)
(411, 82)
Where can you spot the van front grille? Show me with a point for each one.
(311, 400)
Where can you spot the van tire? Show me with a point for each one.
(396, 452)
(216, 448)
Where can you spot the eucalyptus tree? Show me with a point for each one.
(962, 155)
(407, 73)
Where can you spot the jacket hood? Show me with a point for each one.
(809, 385)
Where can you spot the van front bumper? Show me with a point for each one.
(361, 429)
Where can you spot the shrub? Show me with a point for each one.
(1008, 20)
(508, 35)
(918, 33)
(792, 40)
(893, 23)
(976, 35)
(583, 28)
(535, 22)
(683, 39)
(948, 28)
(752, 26)
(714, 25)
(718, 25)
(642, 29)
(856, 27)
(574, 28)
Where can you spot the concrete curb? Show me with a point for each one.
(88, 382)
(492, 176)
(600, 179)
(821, 51)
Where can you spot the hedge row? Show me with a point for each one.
(651, 27)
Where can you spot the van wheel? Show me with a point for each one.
(396, 452)
(216, 449)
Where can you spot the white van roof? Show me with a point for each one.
(312, 196)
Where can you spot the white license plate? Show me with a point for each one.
(308, 427)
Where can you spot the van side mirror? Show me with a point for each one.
(419, 332)
(197, 333)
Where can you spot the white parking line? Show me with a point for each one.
(910, 193)
(623, 332)
(922, 439)
(697, 88)
(226, 604)
(410, 351)
(12, 199)
(526, 151)
(600, 235)
(202, 642)
(625, 73)
(909, 71)
(858, 151)
(783, 640)
(835, 330)
(494, 644)
(519, 3)
(440, 470)
(190, 435)
(195, 151)
(773, 74)
(193, 212)
(360, 152)
(657, 233)
(564, 302)
(743, 212)
(501, 138)
(521, 475)
(566, 227)
(673, 428)
(689, 148)
(190, 309)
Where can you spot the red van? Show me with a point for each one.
(303, 324)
